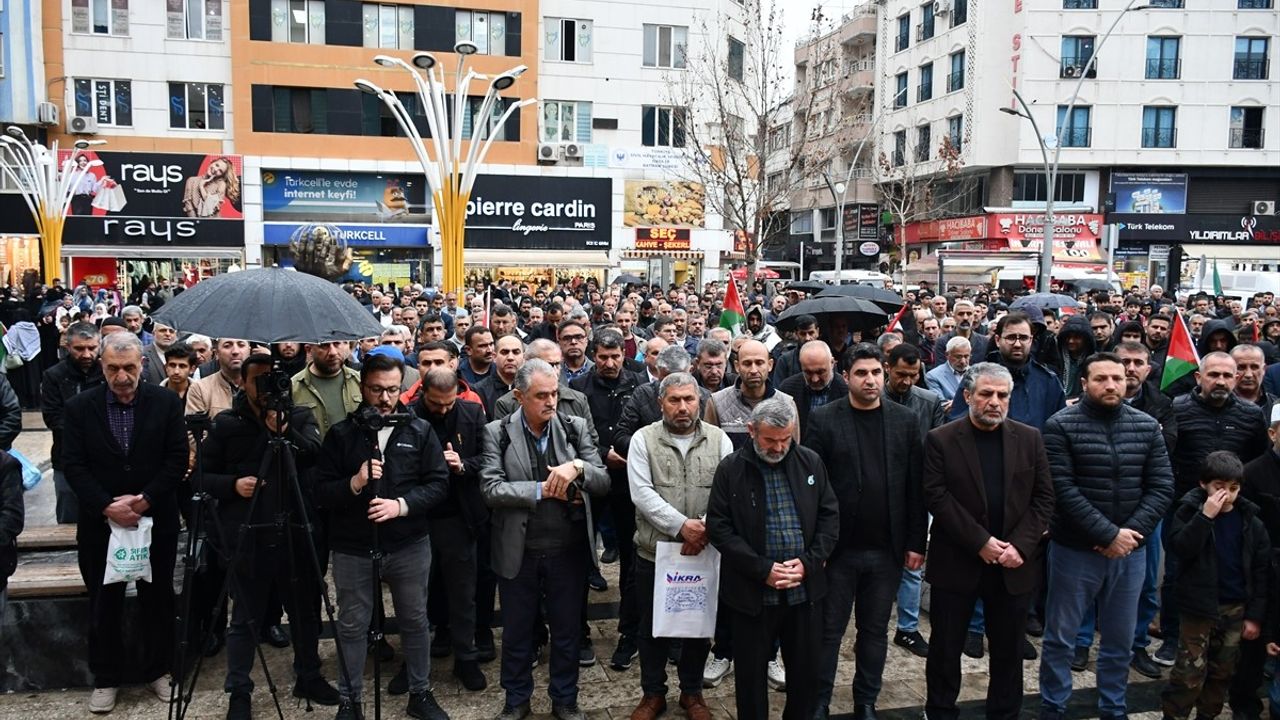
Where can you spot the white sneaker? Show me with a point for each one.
(103, 700)
(777, 676)
(715, 670)
(160, 686)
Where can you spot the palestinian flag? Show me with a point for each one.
(732, 316)
(1182, 358)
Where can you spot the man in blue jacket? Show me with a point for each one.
(1037, 393)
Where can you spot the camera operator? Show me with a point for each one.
(382, 494)
(236, 466)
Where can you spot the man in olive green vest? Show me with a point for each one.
(670, 467)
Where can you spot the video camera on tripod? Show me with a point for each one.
(370, 420)
(275, 389)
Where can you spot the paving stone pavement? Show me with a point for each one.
(604, 692)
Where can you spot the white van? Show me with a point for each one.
(852, 277)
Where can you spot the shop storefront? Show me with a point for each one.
(384, 219)
(666, 255)
(1146, 241)
(21, 255)
(664, 215)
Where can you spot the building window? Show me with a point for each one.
(925, 90)
(1079, 4)
(1073, 129)
(665, 46)
(567, 40)
(955, 132)
(110, 102)
(475, 126)
(1254, 4)
(899, 148)
(566, 121)
(100, 17)
(737, 59)
(900, 94)
(1158, 130)
(1246, 127)
(1077, 50)
(959, 12)
(1163, 62)
(1251, 59)
(903, 38)
(300, 110)
(1166, 3)
(388, 26)
(1030, 187)
(802, 222)
(488, 30)
(924, 138)
(955, 80)
(196, 106)
(195, 19)
(297, 21)
(925, 30)
(661, 126)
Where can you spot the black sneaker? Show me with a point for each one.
(1035, 628)
(519, 712)
(423, 706)
(349, 710)
(399, 684)
(625, 654)
(317, 690)
(276, 637)
(609, 556)
(567, 712)
(240, 707)
(441, 643)
(586, 653)
(1080, 659)
(486, 651)
(1028, 650)
(596, 581)
(1144, 665)
(1167, 654)
(913, 642)
(468, 673)
(973, 646)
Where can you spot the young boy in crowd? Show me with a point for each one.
(1225, 556)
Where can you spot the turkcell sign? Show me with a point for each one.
(356, 235)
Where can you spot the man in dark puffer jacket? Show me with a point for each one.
(1113, 483)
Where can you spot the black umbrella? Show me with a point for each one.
(861, 314)
(887, 300)
(808, 287)
(628, 278)
(1091, 284)
(270, 305)
(1044, 301)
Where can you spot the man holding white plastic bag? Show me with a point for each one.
(125, 449)
(670, 467)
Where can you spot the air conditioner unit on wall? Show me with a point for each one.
(573, 151)
(82, 126)
(47, 114)
(548, 153)
(1264, 207)
(1072, 71)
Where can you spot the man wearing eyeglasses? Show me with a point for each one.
(1037, 394)
(573, 347)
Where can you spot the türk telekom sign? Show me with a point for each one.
(1030, 226)
(1210, 229)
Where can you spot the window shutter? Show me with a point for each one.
(513, 34)
(583, 133)
(344, 23)
(433, 28)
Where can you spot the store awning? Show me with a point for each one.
(157, 253)
(633, 254)
(537, 258)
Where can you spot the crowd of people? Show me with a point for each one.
(494, 447)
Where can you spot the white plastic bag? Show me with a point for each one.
(129, 553)
(685, 592)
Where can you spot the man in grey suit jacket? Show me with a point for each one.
(539, 470)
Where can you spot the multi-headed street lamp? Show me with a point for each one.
(46, 186)
(450, 172)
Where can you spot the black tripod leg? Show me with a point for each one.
(183, 620)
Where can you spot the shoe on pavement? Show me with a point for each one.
(469, 674)
(596, 581)
(317, 690)
(1144, 665)
(276, 637)
(567, 712)
(864, 712)
(1167, 654)
(399, 684)
(715, 670)
(1035, 628)
(650, 707)
(973, 646)
(1028, 650)
(586, 653)
(441, 643)
(609, 556)
(160, 686)
(777, 676)
(1080, 659)
(695, 708)
(240, 707)
(913, 641)
(519, 712)
(625, 654)
(423, 706)
(102, 700)
(349, 710)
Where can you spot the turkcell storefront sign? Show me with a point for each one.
(157, 199)
(1150, 193)
(532, 212)
(1225, 229)
(303, 195)
(355, 235)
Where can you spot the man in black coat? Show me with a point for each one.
(12, 517)
(875, 449)
(775, 519)
(1262, 487)
(238, 465)
(817, 383)
(124, 452)
(78, 372)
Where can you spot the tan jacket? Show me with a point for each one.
(212, 395)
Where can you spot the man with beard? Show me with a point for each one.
(965, 315)
(509, 356)
(1101, 324)
(327, 386)
(930, 331)
(760, 330)
(670, 469)
(503, 323)
(987, 483)
(775, 519)
(1158, 330)
(710, 364)
(1037, 393)
(213, 394)
(945, 378)
(479, 353)
(816, 384)
(733, 405)
(78, 372)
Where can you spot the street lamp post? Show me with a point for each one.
(450, 171)
(1051, 168)
(46, 187)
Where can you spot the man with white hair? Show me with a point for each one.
(945, 379)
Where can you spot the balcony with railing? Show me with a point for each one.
(859, 77)
(924, 91)
(900, 99)
(1253, 4)
(924, 30)
(955, 81)
(1249, 138)
(1073, 67)
(1164, 68)
(1075, 137)
(1250, 69)
(1079, 4)
(1159, 137)
(901, 41)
